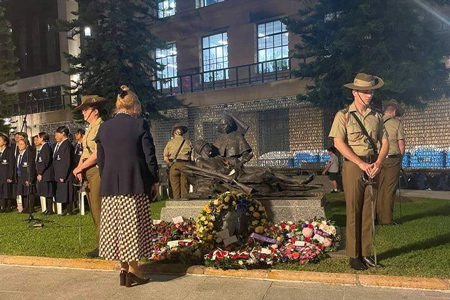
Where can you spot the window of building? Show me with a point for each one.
(215, 57)
(168, 58)
(166, 8)
(274, 130)
(273, 47)
(202, 3)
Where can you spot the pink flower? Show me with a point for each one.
(307, 232)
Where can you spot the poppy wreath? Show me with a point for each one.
(211, 220)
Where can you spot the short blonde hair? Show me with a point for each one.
(127, 101)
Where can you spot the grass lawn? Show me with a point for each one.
(62, 236)
(420, 246)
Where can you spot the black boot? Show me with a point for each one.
(357, 264)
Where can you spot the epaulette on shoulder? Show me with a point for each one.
(344, 110)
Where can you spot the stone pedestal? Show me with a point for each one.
(288, 209)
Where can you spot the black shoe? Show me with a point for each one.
(48, 213)
(93, 253)
(133, 279)
(123, 277)
(357, 264)
(370, 262)
(2, 210)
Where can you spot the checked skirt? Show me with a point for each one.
(125, 227)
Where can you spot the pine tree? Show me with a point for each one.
(8, 68)
(119, 50)
(396, 40)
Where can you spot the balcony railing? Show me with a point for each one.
(245, 75)
(31, 106)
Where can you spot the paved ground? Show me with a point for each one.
(49, 283)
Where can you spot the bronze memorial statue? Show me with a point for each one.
(220, 167)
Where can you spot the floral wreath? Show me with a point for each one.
(210, 221)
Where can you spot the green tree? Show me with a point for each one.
(396, 40)
(8, 68)
(118, 51)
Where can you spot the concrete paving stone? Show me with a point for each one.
(406, 282)
(304, 291)
(258, 274)
(333, 278)
(383, 293)
(229, 288)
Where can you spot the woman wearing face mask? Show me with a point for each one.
(45, 173)
(7, 161)
(62, 165)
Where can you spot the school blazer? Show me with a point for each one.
(63, 161)
(44, 163)
(26, 170)
(7, 166)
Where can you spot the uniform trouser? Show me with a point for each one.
(358, 199)
(93, 195)
(388, 182)
(178, 180)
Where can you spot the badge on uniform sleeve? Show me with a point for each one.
(4, 162)
(25, 164)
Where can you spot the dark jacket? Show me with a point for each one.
(63, 161)
(26, 169)
(78, 151)
(7, 166)
(126, 157)
(44, 163)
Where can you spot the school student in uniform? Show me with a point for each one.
(45, 174)
(7, 161)
(62, 166)
(26, 175)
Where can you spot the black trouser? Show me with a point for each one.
(49, 204)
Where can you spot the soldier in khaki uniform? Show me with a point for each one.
(91, 107)
(361, 165)
(177, 163)
(390, 170)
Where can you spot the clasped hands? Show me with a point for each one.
(371, 170)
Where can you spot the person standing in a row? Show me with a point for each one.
(177, 154)
(7, 172)
(62, 164)
(129, 172)
(91, 107)
(44, 169)
(26, 175)
(357, 130)
(392, 165)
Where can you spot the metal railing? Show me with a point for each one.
(251, 74)
(32, 106)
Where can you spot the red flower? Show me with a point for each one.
(283, 226)
(293, 240)
(307, 239)
(293, 226)
(311, 226)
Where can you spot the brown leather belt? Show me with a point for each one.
(394, 156)
(179, 160)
